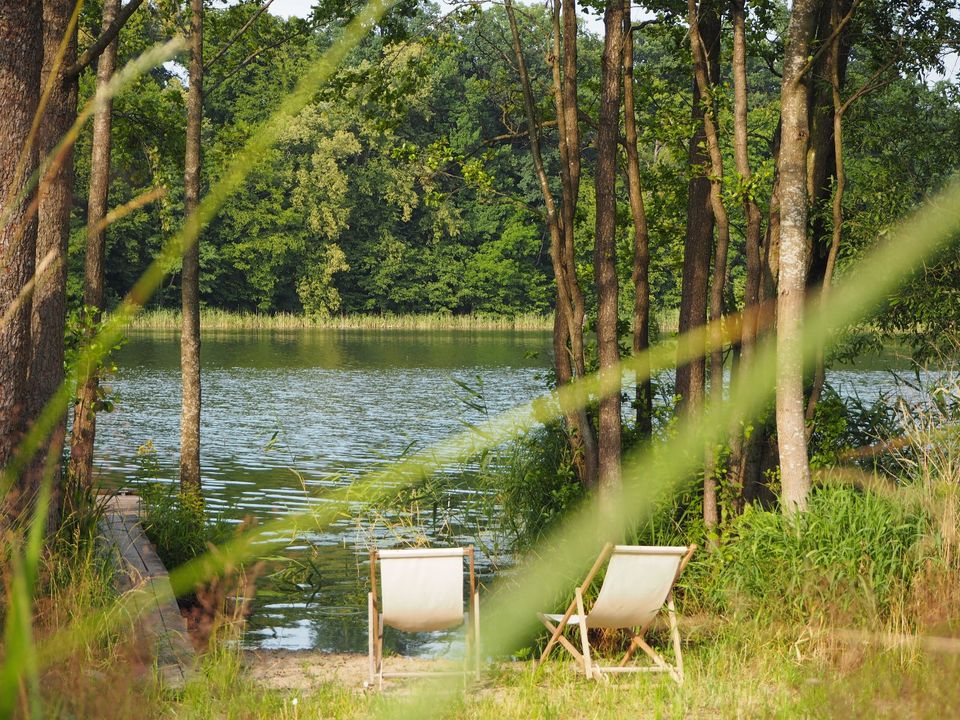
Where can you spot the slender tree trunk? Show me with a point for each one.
(821, 161)
(711, 507)
(791, 434)
(840, 108)
(21, 51)
(721, 222)
(568, 324)
(604, 252)
(565, 96)
(699, 234)
(743, 448)
(641, 237)
(84, 418)
(190, 276)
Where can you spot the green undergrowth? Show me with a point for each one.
(178, 524)
(851, 558)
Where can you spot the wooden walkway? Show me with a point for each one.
(140, 567)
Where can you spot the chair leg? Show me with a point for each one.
(675, 632)
(555, 636)
(567, 645)
(476, 634)
(584, 640)
(630, 650)
(371, 634)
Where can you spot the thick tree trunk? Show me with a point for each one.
(21, 51)
(791, 435)
(641, 238)
(84, 418)
(604, 252)
(190, 276)
(53, 233)
(699, 235)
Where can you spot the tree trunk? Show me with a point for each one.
(604, 252)
(190, 276)
(821, 159)
(699, 235)
(21, 51)
(85, 418)
(741, 449)
(791, 435)
(711, 506)
(53, 233)
(641, 238)
(568, 324)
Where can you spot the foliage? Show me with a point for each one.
(529, 485)
(842, 424)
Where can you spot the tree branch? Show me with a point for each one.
(106, 37)
(229, 43)
(250, 58)
(829, 41)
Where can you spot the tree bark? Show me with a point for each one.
(85, 418)
(699, 234)
(190, 275)
(21, 51)
(48, 310)
(604, 251)
(641, 238)
(791, 435)
(721, 221)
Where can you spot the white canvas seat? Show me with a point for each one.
(638, 584)
(421, 590)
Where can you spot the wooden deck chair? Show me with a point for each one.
(421, 590)
(638, 584)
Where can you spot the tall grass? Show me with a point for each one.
(216, 319)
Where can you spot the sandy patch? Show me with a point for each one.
(302, 670)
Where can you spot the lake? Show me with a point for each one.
(287, 414)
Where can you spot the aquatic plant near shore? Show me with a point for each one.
(216, 319)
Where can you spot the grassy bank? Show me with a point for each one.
(214, 319)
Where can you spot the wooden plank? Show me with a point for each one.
(141, 568)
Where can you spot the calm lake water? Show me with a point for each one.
(329, 405)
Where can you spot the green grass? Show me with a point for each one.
(733, 671)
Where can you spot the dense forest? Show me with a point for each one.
(405, 186)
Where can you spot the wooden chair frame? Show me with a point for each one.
(583, 656)
(375, 630)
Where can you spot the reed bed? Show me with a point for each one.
(216, 319)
